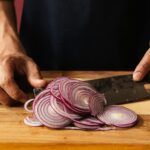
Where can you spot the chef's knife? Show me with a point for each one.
(121, 89)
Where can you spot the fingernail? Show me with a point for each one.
(137, 76)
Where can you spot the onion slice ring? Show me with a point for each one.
(26, 105)
(32, 121)
(47, 116)
(118, 116)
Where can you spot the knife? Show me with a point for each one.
(121, 89)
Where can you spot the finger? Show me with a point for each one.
(9, 85)
(143, 67)
(5, 99)
(34, 77)
(13, 90)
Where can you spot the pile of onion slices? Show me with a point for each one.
(72, 104)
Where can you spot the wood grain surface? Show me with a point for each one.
(14, 134)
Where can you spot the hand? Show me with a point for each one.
(143, 67)
(13, 59)
(21, 64)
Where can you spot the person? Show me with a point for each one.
(71, 35)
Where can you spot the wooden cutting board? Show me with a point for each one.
(14, 134)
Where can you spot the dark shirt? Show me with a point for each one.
(86, 34)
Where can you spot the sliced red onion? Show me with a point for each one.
(32, 121)
(26, 105)
(80, 94)
(86, 122)
(60, 108)
(125, 125)
(56, 80)
(118, 116)
(74, 109)
(95, 120)
(65, 102)
(42, 94)
(85, 126)
(54, 87)
(64, 88)
(96, 104)
(47, 116)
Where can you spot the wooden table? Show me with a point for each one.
(14, 134)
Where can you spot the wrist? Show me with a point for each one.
(10, 43)
(7, 29)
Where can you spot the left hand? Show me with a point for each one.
(143, 67)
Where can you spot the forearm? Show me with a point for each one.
(9, 41)
(7, 16)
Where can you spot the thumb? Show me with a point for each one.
(143, 67)
(34, 76)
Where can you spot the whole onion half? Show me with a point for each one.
(72, 104)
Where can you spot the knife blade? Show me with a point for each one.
(121, 89)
